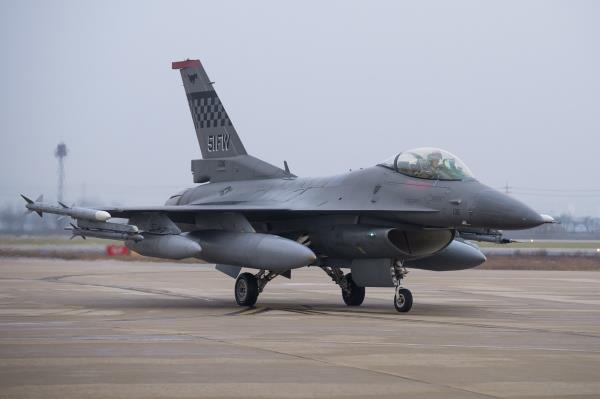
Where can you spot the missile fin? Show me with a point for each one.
(287, 274)
(230, 270)
(29, 201)
(63, 205)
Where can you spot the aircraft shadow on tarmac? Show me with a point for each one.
(226, 307)
(166, 299)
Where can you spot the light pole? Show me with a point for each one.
(61, 152)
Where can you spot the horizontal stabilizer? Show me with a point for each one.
(242, 167)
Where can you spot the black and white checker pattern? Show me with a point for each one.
(208, 110)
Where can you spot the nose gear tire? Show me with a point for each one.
(403, 300)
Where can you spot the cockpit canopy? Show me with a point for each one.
(429, 163)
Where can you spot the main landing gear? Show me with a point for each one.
(403, 299)
(248, 286)
(352, 294)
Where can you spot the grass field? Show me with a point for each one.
(53, 240)
(545, 244)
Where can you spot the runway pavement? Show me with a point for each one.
(99, 329)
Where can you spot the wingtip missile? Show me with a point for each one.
(62, 209)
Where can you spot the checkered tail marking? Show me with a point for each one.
(207, 110)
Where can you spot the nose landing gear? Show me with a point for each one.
(403, 299)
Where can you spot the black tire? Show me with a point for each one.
(356, 294)
(246, 289)
(403, 300)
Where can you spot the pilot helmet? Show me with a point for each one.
(435, 155)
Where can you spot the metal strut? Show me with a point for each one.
(263, 277)
(337, 275)
(398, 272)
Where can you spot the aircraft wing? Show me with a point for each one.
(279, 209)
(187, 213)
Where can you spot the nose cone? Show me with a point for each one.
(496, 210)
(102, 216)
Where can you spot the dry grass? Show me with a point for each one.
(584, 263)
(545, 244)
(82, 255)
(494, 262)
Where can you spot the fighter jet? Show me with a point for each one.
(421, 208)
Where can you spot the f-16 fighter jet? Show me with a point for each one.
(421, 208)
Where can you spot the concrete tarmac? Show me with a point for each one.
(109, 329)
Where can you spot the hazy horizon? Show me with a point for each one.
(512, 88)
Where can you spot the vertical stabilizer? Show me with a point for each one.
(216, 135)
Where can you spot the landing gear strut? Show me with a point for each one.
(248, 286)
(403, 299)
(352, 294)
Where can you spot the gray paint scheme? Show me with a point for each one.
(248, 213)
(270, 200)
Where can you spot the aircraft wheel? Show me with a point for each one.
(355, 295)
(403, 300)
(246, 289)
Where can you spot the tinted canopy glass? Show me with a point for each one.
(429, 163)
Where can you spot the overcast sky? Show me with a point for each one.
(512, 88)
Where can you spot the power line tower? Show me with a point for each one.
(507, 188)
(60, 153)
